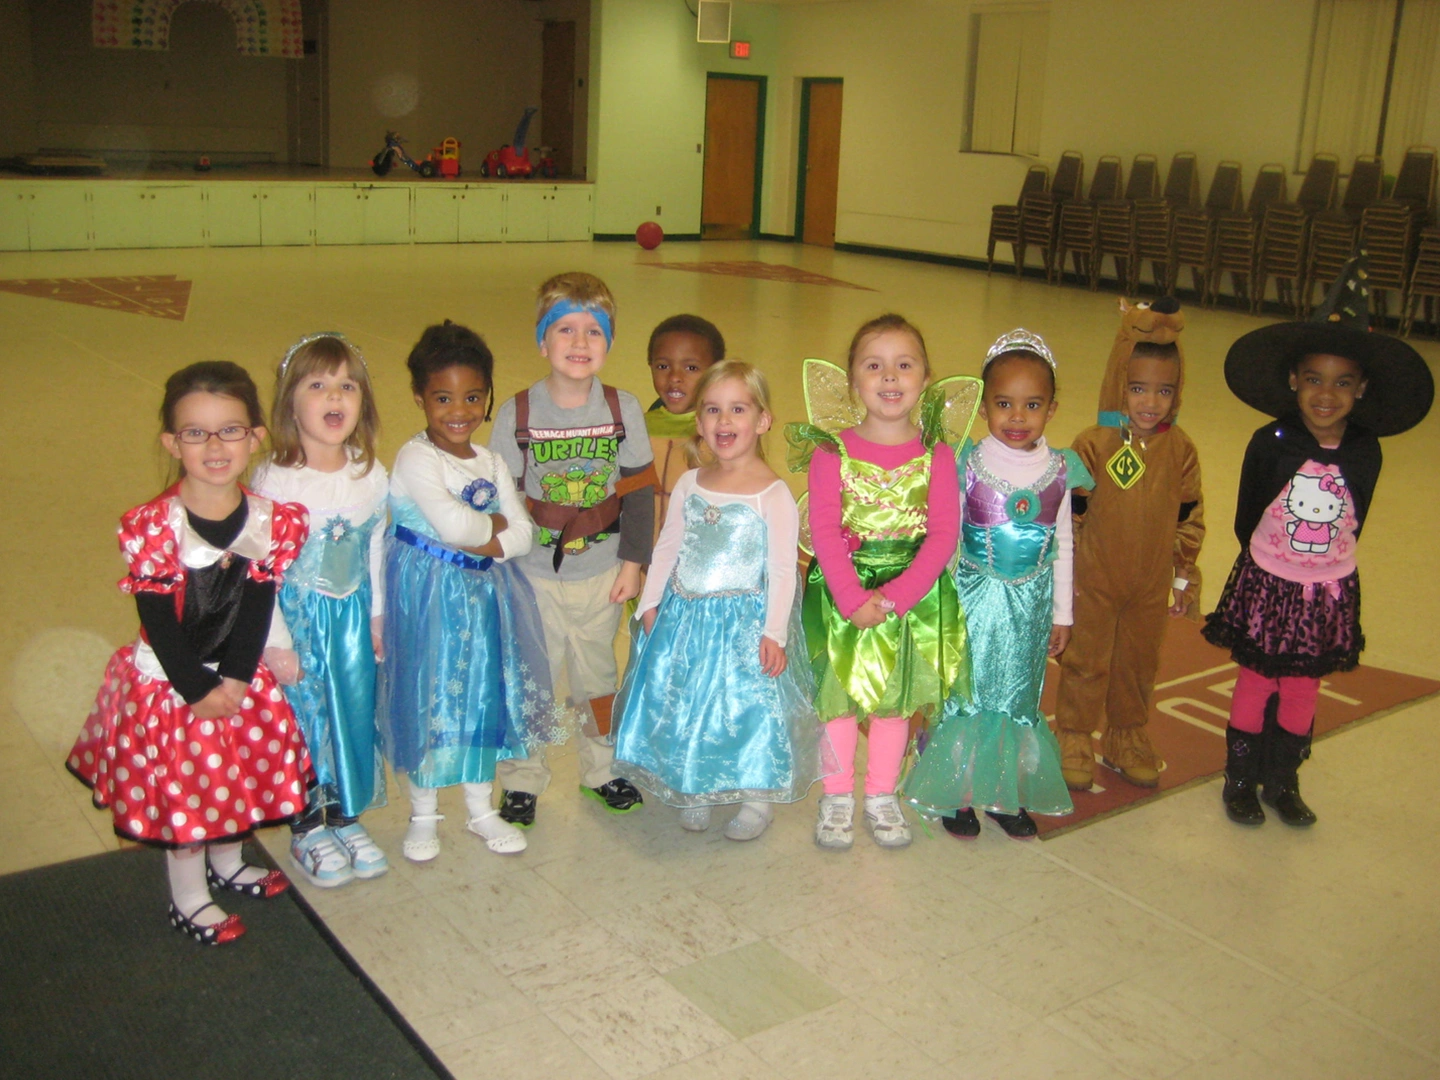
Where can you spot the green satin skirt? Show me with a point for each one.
(904, 665)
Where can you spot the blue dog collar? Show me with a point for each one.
(562, 308)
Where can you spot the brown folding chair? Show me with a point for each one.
(1005, 219)
(1333, 233)
(1387, 234)
(1424, 283)
(1192, 233)
(1285, 232)
(1079, 221)
(1154, 220)
(1237, 238)
(1115, 222)
(1415, 183)
(1040, 211)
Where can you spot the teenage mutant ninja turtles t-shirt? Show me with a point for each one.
(574, 459)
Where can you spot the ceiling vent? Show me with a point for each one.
(713, 22)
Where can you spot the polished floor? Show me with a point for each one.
(1161, 943)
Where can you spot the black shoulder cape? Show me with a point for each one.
(1276, 453)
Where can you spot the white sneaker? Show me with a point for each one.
(366, 858)
(694, 818)
(885, 821)
(752, 819)
(499, 835)
(422, 838)
(321, 859)
(836, 827)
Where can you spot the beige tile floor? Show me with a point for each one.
(1162, 943)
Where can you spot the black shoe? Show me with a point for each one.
(1019, 826)
(1280, 787)
(619, 796)
(962, 823)
(1242, 771)
(518, 808)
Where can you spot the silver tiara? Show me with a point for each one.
(1020, 340)
(308, 338)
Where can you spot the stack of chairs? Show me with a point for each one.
(1080, 221)
(1193, 229)
(1237, 237)
(1005, 219)
(1424, 283)
(1155, 217)
(1333, 233)
(1415, 183)
(1285, 232)
(1115, 221)
(1040, 211)
(1387, 235)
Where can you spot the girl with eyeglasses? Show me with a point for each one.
(191, 744)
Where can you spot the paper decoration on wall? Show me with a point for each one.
(262, 27)
(162, 295)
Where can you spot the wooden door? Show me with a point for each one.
(820, 157)
(733, 110)
(557, 94)
(307, 82)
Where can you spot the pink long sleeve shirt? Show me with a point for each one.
(832, 542)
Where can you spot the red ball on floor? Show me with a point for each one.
(649, 235)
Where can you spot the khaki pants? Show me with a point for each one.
(580, 624)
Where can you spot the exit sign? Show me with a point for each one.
(739, 50)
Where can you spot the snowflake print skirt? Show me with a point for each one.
(465, 682)
(1281, 628)
(172, 779)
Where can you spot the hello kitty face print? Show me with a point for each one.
(1314, 504)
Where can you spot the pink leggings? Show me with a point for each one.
(888, 738)
(1298, 696)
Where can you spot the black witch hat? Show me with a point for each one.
(1400, 387)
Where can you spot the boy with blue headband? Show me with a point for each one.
(583, 459)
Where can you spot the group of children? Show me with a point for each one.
(458, 614)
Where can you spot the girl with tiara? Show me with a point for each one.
(883, 623)
(191, 744)
(1290, 613)
(993, 748)
(715, 707)
(465, 682)
(322, 436)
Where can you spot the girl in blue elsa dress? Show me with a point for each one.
(716, 706)
(326, 628)
(465, 683)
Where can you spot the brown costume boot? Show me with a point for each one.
(1077, 759)
(1129, 753)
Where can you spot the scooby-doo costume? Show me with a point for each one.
(1137, 536)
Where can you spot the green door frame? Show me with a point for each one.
(763, 80)
(805, 85)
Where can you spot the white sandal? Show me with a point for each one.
(499, 835)
(422, 840)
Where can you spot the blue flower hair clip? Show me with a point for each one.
(479, 494)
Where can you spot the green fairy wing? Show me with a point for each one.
(948, 408)
(1076, 474)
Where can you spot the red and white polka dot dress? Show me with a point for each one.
(167, 776)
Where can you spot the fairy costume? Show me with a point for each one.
(910, 662)
(465, 683)
(992, 749)
(326, 602)
(700, 723)
(205, 591)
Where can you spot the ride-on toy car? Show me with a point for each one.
(444, 160)
(513, 159)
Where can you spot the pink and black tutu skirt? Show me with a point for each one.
(1280, 628)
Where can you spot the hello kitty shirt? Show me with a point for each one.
(1308, 531)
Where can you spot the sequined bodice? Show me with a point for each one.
(724, 552)
(885, 504)
(1010, 531)
(333, 560)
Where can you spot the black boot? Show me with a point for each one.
(1284, 751)
(1242, 775)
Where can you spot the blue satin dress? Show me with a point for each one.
(326, 600)
(700, 724)
(993, 749)
(465, 683)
